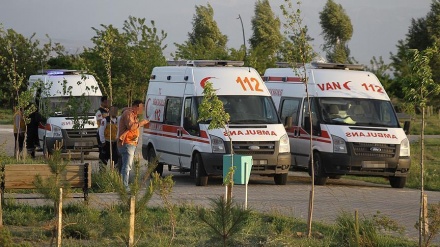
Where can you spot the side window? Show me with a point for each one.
(290, 108)
(306, 118)
(190, 117)
(173, 108)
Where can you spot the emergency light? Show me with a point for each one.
(61, 72)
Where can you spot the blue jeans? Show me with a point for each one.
(127, 155)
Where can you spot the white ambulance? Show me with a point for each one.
(55, 90)
(177, 139)
(354, 125)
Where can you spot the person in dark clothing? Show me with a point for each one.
(101, 113)
(32, 141)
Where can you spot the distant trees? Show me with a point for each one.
(422, 34)
(266, 38)
(337, 30)
(122, 60)
(205, 41)
(19, 58)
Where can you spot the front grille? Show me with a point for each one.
(374, 149)
(249, 147)
(76, 133)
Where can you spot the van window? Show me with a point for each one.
(306, 117)
(173, 108)
(62, 106)
(250, 109)
(290, 108)
(358, 111)
(190, 117)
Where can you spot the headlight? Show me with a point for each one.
(217, 144)
(404, 147)
(284, 144)
(54, 131)
(339, 145)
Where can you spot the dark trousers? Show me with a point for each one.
(20, 142)
(104, 155)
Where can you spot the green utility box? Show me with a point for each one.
(243, 167)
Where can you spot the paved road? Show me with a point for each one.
(340, 195)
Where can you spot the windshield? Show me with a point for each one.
(249, 109)
(70, 106)
(361, 112)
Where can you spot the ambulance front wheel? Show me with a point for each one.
(152, 159)
(320, 176)
(397, 182)
(280, 179)
(198, 171)
(46, 148)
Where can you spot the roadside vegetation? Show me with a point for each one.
(85, 226)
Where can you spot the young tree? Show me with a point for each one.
(205, 41)
(22, 55)
(422, 33)
(125, 59)
(266, 39)
(293, 25)
(211, 109)
(337, 30)
(419, 86)
(382, 71)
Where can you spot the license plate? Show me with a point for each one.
(83, 144)
(373, 164)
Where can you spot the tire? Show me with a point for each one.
(280, 179)
(397, 182)
(320, 176)
(46, 150)
(151, 159)
(198, 170)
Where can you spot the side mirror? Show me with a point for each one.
(288, 122)
(316, 126)
(406, 126)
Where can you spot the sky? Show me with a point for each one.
(377, 24)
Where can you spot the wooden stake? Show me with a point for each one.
(1, 211)
(60, 218)
(425, 215)
(132, 214)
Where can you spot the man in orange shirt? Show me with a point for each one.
(128, 137)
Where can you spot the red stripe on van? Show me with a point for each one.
(325, 137)
(282, 79)
(170, 131)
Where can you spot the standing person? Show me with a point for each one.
(101, 113)
(32, 140)
(108, 134)
(19, 130)
(128, 137)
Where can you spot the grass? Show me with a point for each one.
(85, 226)
(432, 125)
(6, 116)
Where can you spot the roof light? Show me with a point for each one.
(289, 65)
(62, 72)
(206, 63)
(338, 66)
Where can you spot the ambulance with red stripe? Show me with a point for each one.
(54, 91)
(355, 130)
(178, 140)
